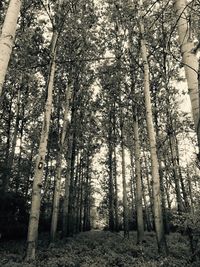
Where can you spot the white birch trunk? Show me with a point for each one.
(38, 173)
(158, 217)
(188, 56)
(7, 37)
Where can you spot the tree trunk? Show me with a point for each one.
(115, 170)
(132, 189)
(158, 217)
(190, 190)
(116, 192)
(38, 173)
(133, 182)
(189, 58)
(18, 176)
(78, 198)
(110, 182)
(26, 190)
(147, 216)
(176, 176)
(140, 220)
(165, 217)
(67, 186)
(57, 188)
(125, 199)
(185, 197)
(7, 37)
(149, 189)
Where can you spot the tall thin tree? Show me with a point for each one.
(38, 173)
(158, 217)
(7, 37)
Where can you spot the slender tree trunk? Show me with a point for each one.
(133, 182)
(18, 176)
(165, 217)
(7, 37)
(81, 202)
(125, 199)
(75, 191)
(185, 197)
(78, 198)
(189, 58)
(140, 220)
(29, 173)
(37, 182)
(138, 174)
(116, 192)
(190, 191)
(10, 153)
(110, 182)
(86, 197)
(150, 191)
(176, 176)
(57, 188)
(158, 217)
(132, 189)
(5, 179)
(72, 182)
(67, 186)
(159, 153)
(115, 170)
(14, 140)
(148, 221)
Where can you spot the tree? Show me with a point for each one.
(152, 141)
(7, 37)
(39, 167)
(189, 59)
(57, 188)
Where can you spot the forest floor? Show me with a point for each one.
(99, 249)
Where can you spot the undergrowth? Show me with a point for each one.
(99, 249)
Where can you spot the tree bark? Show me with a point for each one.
(189, 58)
(116, 205)
(57, 188)
(67, 186)
(158, 217)
(176, 176)
(125, 199)
(110, 169)
(7, 37)
(140, 220)
(38, 173)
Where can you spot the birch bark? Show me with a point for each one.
(189, 58)
(158, 217)
(7, 37)
(38, 173)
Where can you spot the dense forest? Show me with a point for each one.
(99, 133)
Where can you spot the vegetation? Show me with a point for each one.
(98, 248)
(94, 132)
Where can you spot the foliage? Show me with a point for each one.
(100, 248)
